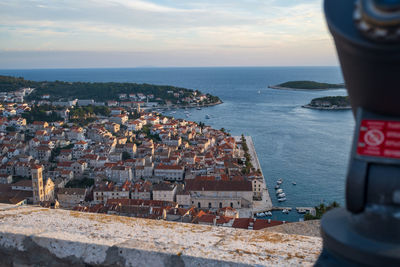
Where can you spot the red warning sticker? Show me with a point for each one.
(379, 139)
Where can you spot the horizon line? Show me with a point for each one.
(172, 67)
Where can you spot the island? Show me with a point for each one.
(306, 85)
(97, 93)
(329, 103)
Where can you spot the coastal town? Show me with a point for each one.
(127, 160)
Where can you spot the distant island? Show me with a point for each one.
(306, 85)
(56, 91)
(329, 103)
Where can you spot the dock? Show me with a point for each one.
(281, 208)
(308, 210)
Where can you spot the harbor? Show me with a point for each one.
(269, 209)
(264, 208)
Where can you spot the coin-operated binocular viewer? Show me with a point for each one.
(367, 39)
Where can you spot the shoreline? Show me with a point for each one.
(298, 89)
(326, 108)
(188, 106)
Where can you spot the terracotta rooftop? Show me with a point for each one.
(196, 185)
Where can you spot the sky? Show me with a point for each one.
(163, 33)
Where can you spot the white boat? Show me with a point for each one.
(260, 214)
(282, 199)
(280, 181)
(293, 183)
(301, 211)
(279, 191)
(286, 211)
(268, 213)
(282, 195)
(259, 91)
(199, 108)
(207, 116)
(277, 187)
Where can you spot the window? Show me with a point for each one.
(198, 205)
(220, 205)
(231, 205)
(209, 205)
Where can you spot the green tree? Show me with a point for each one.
(126, 155)
(321, 210)
(10, 129)
(83, 183)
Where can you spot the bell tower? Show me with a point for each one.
(37, 184)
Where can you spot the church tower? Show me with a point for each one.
(37, 184)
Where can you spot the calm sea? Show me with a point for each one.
(309, 147)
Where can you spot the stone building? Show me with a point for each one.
(219, 194)
(70, 197)
(169, 172)
(164, 191)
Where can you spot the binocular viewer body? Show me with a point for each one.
(367, 39)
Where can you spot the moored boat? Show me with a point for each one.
(282, 199)
(301, 211)
(286, 211)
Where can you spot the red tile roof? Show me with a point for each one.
(195, 185)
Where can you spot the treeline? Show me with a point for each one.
(340, 101)
(248, 165)
(89, 111)
(8, 83)
(84, 115)
(97, 91)
(310, 85)
(42, 113)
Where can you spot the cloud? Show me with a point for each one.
(163, 25)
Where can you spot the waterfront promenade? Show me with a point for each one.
(266, 202)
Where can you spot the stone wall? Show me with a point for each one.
(35, 236)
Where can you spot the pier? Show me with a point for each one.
(307, 210)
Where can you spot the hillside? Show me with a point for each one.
(330, 102)
(59, 90)
(307, 85)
